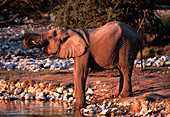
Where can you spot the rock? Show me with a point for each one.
(47, 65)
(167, 63)
(28, 96)
(69, 109)
(2, 82)
(51, 98)
(18, 91)
(105, 112)
(4, 47)
(148, 112)
(70, 100)
(165, 58)
(88, 97)
(89, 91)
(159, 63)
(71, 90)
(109, 104)
(22, 96)
(91, 106)
(31, 89)
(65, 97)
(71, 69)
(60, 90)
(40, 96)
(23, 32)
(144, 110)
(89, 111)
(114, 109)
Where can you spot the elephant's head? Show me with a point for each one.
(65, 43)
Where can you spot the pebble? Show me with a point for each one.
(89, 91)
(114, 107)
(155, 62)
(89, 111)
(105, 112)
(12, 48)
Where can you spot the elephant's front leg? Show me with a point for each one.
(80, 76)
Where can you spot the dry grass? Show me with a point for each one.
(155, 51)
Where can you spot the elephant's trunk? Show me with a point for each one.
(31, 40)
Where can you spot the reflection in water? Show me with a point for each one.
(34, 108)
(78, 114)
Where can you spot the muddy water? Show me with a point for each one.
(19, 108)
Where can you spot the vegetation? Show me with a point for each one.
(140, 15)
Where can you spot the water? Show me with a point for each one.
(19, 108)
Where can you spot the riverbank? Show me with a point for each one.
(150, 88)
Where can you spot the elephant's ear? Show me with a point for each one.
(74, 46)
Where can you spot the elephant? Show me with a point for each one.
(111, 46)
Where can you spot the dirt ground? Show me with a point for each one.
(155, 80)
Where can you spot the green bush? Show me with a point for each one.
(94, 13)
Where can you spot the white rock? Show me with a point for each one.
(69, 109)
(22, 95)
(70, 100)
(88, 97)
(71, 90)
(143, 110)
(114, 109)
(60, 90)
(5, 47)
(57, 95)
(52, 67)
(2, 82)
(18, 91)
(109, 104)
(89, 111)
(51, 98)
(47, 65)
(159, 63)
(40, 96)
(167, 63)
(23, 32)
(41, 84)
(89, 91)
(36, 70)
(28, 97)
(165, 58)
(91, 106)
(98, 82)
(148, 112)
(155, 58)
(31, 89)
(105, 112)
(65, 92)
(65, 97)
(71, 69)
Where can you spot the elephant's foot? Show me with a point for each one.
(116, 95)
(125, 94)
(77, 106)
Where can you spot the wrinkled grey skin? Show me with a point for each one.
(114, 45)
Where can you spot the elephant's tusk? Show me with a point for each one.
(34, 42)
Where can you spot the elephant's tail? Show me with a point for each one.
(141, 55)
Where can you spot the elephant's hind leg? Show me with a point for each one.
(120, 85)
(127, 85)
